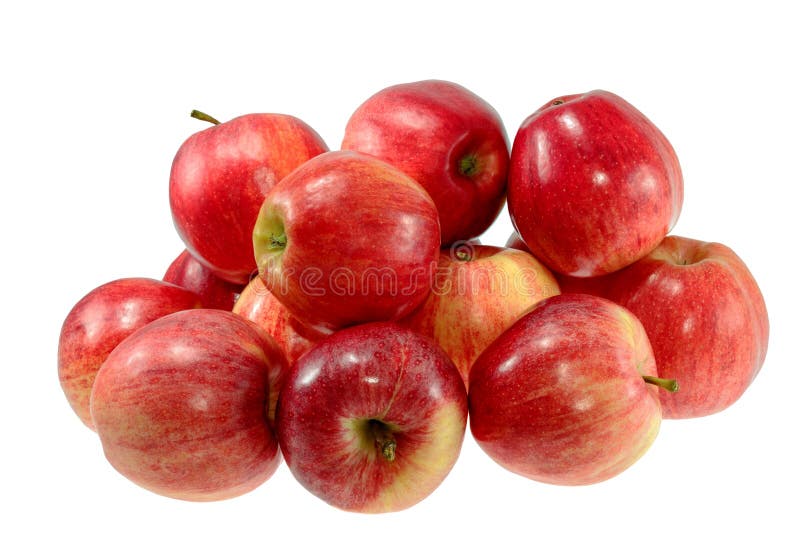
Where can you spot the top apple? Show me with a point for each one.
(220, 177)
(446, 138)
(593, 184)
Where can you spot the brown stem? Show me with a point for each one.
(468, 165)
(203, 116)
(670, 384)
(383, 439)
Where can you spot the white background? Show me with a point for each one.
(95, 102)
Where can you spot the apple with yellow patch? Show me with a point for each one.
(372, 418)
(478, 292)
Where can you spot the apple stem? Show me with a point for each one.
(670, 384)
(384, 439)
(203, 116)
(388, 448)
(463, 255)
(468, 165)
(277, 242)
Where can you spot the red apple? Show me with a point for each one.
(258, 304)
(101, 320)
(372, 418)
(347, 239)
(446, 138)
(705, 317)
(185, 271)
(562, 396)
(593, 184)
(181, 406)
(478, 292)
(220, 177)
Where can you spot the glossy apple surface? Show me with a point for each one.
(595, 285)
(101, 320)
(372, 418)
(347, 239)
(593, 184)
(478, 292)
(705, 317)
(181, 406)
(259, 305)
(560, 397)
(219, 179)
(446, 138)
(185, 271)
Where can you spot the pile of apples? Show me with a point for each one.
(336, 309)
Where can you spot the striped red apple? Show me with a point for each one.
(372, 418)
(347, 239)
(567, 395)
(446, 138)
(219, 179)
(182, 406)
(101, 320)
(593, 184)
(478, 292)
(704, 315)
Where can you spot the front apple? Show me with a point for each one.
(219, 179)
(181, 406)
(446, 138)
(101, 320)
(372, 418)
(593, 184)
(478, 292)
(562, 396)
(347, 239)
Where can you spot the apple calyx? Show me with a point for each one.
(383, 438)
(203, 116)
(670, 384)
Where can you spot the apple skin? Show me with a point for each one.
(593, 184)
(595, 285)
(185, 271)
(478, 292)
(181, 406)
(446, 138)
(219, 179)
(559, 397)
(259, 305)
(347, 239)
(101, 320)
(705, 317)
(377, 374)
